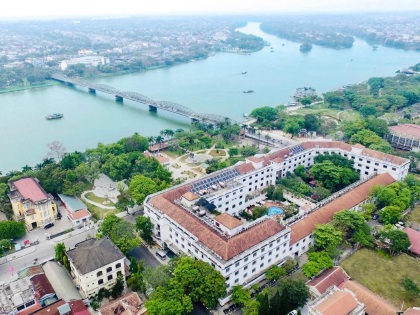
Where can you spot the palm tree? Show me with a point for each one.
(267, 137)
(244, 128)
(179, 130)
(159, 140)
(26, 168)
(169, 133)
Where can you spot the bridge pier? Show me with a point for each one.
(69, 84)
(92, 91)
(152, 108)
(118, 98)
(194, 120)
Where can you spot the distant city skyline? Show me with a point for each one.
(48, 8)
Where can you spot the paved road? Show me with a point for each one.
(143, 253)
(44, 251)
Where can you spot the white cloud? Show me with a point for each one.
(26, 8)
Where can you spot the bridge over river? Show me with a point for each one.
(136, 97)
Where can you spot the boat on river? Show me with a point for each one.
(248, 91)
(244, 72)
(54, 116)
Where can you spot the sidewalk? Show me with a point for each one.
(74, 233)
(18, 254)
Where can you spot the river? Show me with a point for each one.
(213, 85)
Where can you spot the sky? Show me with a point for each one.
(67, 8)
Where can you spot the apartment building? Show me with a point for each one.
(31, 203)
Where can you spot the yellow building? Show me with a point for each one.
(31, 203)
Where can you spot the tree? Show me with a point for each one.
(145, 227)
(61, 256)
(327, 236)
(200, 281)
(333, 177)
(169, 300)
(412, 289)
(371, 140)
(312, 122)
(378, 126)
(399, 240)
(11, 229)
(118, 287)
(292, 126)
(5, 245)
(334, 99)
(367, 110)
(56, 150)
(240, 295)
(391, 214)
(353, 226)
(159, 276)
(274, 273)
(120, 232)
(317, 261)
(264, 113)
(140, 187)
(295, 292)
(248, 151)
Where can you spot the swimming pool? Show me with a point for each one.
(273, 210)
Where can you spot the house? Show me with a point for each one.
(162, 159)
(17, 296)
(60, 307)
(128, 304)
(95, 264)
(44, 290)
(336, 302)
(374, 304)
(31, 203)
(76, 210)
(414, 237)
(326, 280)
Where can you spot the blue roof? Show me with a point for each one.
(73, 202)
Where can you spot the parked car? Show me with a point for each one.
(375, 216)
(49, 225)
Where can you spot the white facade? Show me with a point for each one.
(104, 277)
(93, 61)
(244, 188)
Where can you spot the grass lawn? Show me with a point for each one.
(92, 197)
(383, 274)
(99, 213)
(322, 109)
(414, 216)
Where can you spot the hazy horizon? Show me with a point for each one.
(27, 9)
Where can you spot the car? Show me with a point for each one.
(375, 216)
(294, 312)
(49, 225)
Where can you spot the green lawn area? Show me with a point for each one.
(322, 109)
(414, 216)
(383, 274)
(91, 196)
(99, 213)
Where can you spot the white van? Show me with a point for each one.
(161, 254)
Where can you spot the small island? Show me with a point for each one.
(305, 47)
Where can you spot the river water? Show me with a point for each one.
(213, 85)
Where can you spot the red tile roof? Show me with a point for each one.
(331, 277)
(190, 196)
(412, 311)
(30, 189)
(414, 237)
(374, 304)
(84, 213)
(306, 226)
(77, 308)
(338, 303)
(42, 285)
(228, 221)
(406, 130)
(226, 248)
(129, 304)
(245, 168)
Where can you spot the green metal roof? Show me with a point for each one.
(73, 202)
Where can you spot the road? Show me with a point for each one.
(44, 251)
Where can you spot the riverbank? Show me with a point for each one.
(29, 87)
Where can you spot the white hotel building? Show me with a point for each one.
(242, 252)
